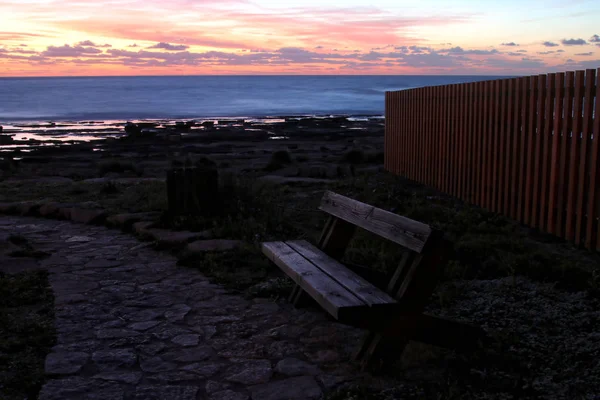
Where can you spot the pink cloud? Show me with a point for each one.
(68, 51)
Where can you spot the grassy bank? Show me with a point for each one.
(26, 333)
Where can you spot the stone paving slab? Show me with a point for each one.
(131, 324)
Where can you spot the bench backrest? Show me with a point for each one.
(415, 278)
(406, 232)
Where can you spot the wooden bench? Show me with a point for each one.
(392, 314)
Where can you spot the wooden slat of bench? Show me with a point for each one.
(368, 293)
(326, 291)
(404, 231)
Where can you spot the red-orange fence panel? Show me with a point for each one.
(527, 147)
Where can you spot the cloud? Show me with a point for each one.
(521, 51)
(169, 46)
(511, 44)
(20, 35)
(68, 51)
(547, 52)
(550, 44)
(595, 39)
(589, 53)
(92, 44)
(560, 51)
(573, 42)
(460, 50)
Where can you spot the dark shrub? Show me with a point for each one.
(354, 157)
(279, 159)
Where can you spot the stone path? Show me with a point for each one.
(131, 324)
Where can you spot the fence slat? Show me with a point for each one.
(526, 86)
(565, 146)
(477, 131)
(515, 156)
(546, 150)
(555, 153)
(399, 116)
(438, 136)
(531, 144)
(588, 109)
(592, 236)
(574, 158)
(508, 148)
(469, 169)
(539, 150)
(594, 201)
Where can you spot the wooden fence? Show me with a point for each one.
(524, 147)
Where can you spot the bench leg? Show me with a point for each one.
(377, 351)
(299, 298)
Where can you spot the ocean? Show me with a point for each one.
(196, 97)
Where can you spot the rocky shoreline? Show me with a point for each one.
(240, 146)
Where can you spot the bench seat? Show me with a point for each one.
(345, 295)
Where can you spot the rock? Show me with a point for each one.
(102, 264)
(283, 349)
(28, 207)
(115, 333)
(64, 213)
(156, 364)
(79, 239)
(152, 348)
(173, 377)
(142, 228)
(323, 356)
(214, 386)
(162, 392)
(76, 387)
(144, 315)
(132, 129)
(126, 221)
(186, 340)
(130, 378)
(177, 313)
(279, 180)
(175, 239)
(203, 370)
(190, 354)
(214, 245)
(228, 395)
(65, 363)
(295, 367)
(49, 209)
(114, 358)
(143, 326)
(251, 372)
(84, 216)
(300, 388)
(329, 382)
(8, 208)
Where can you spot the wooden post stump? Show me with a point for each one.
(193, 190)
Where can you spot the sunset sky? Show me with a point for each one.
(156, 37)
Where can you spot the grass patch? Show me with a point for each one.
(116, 166)
(26, 250)
(114, 197)
(26, 333)
(239, 269)
(355, 156)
